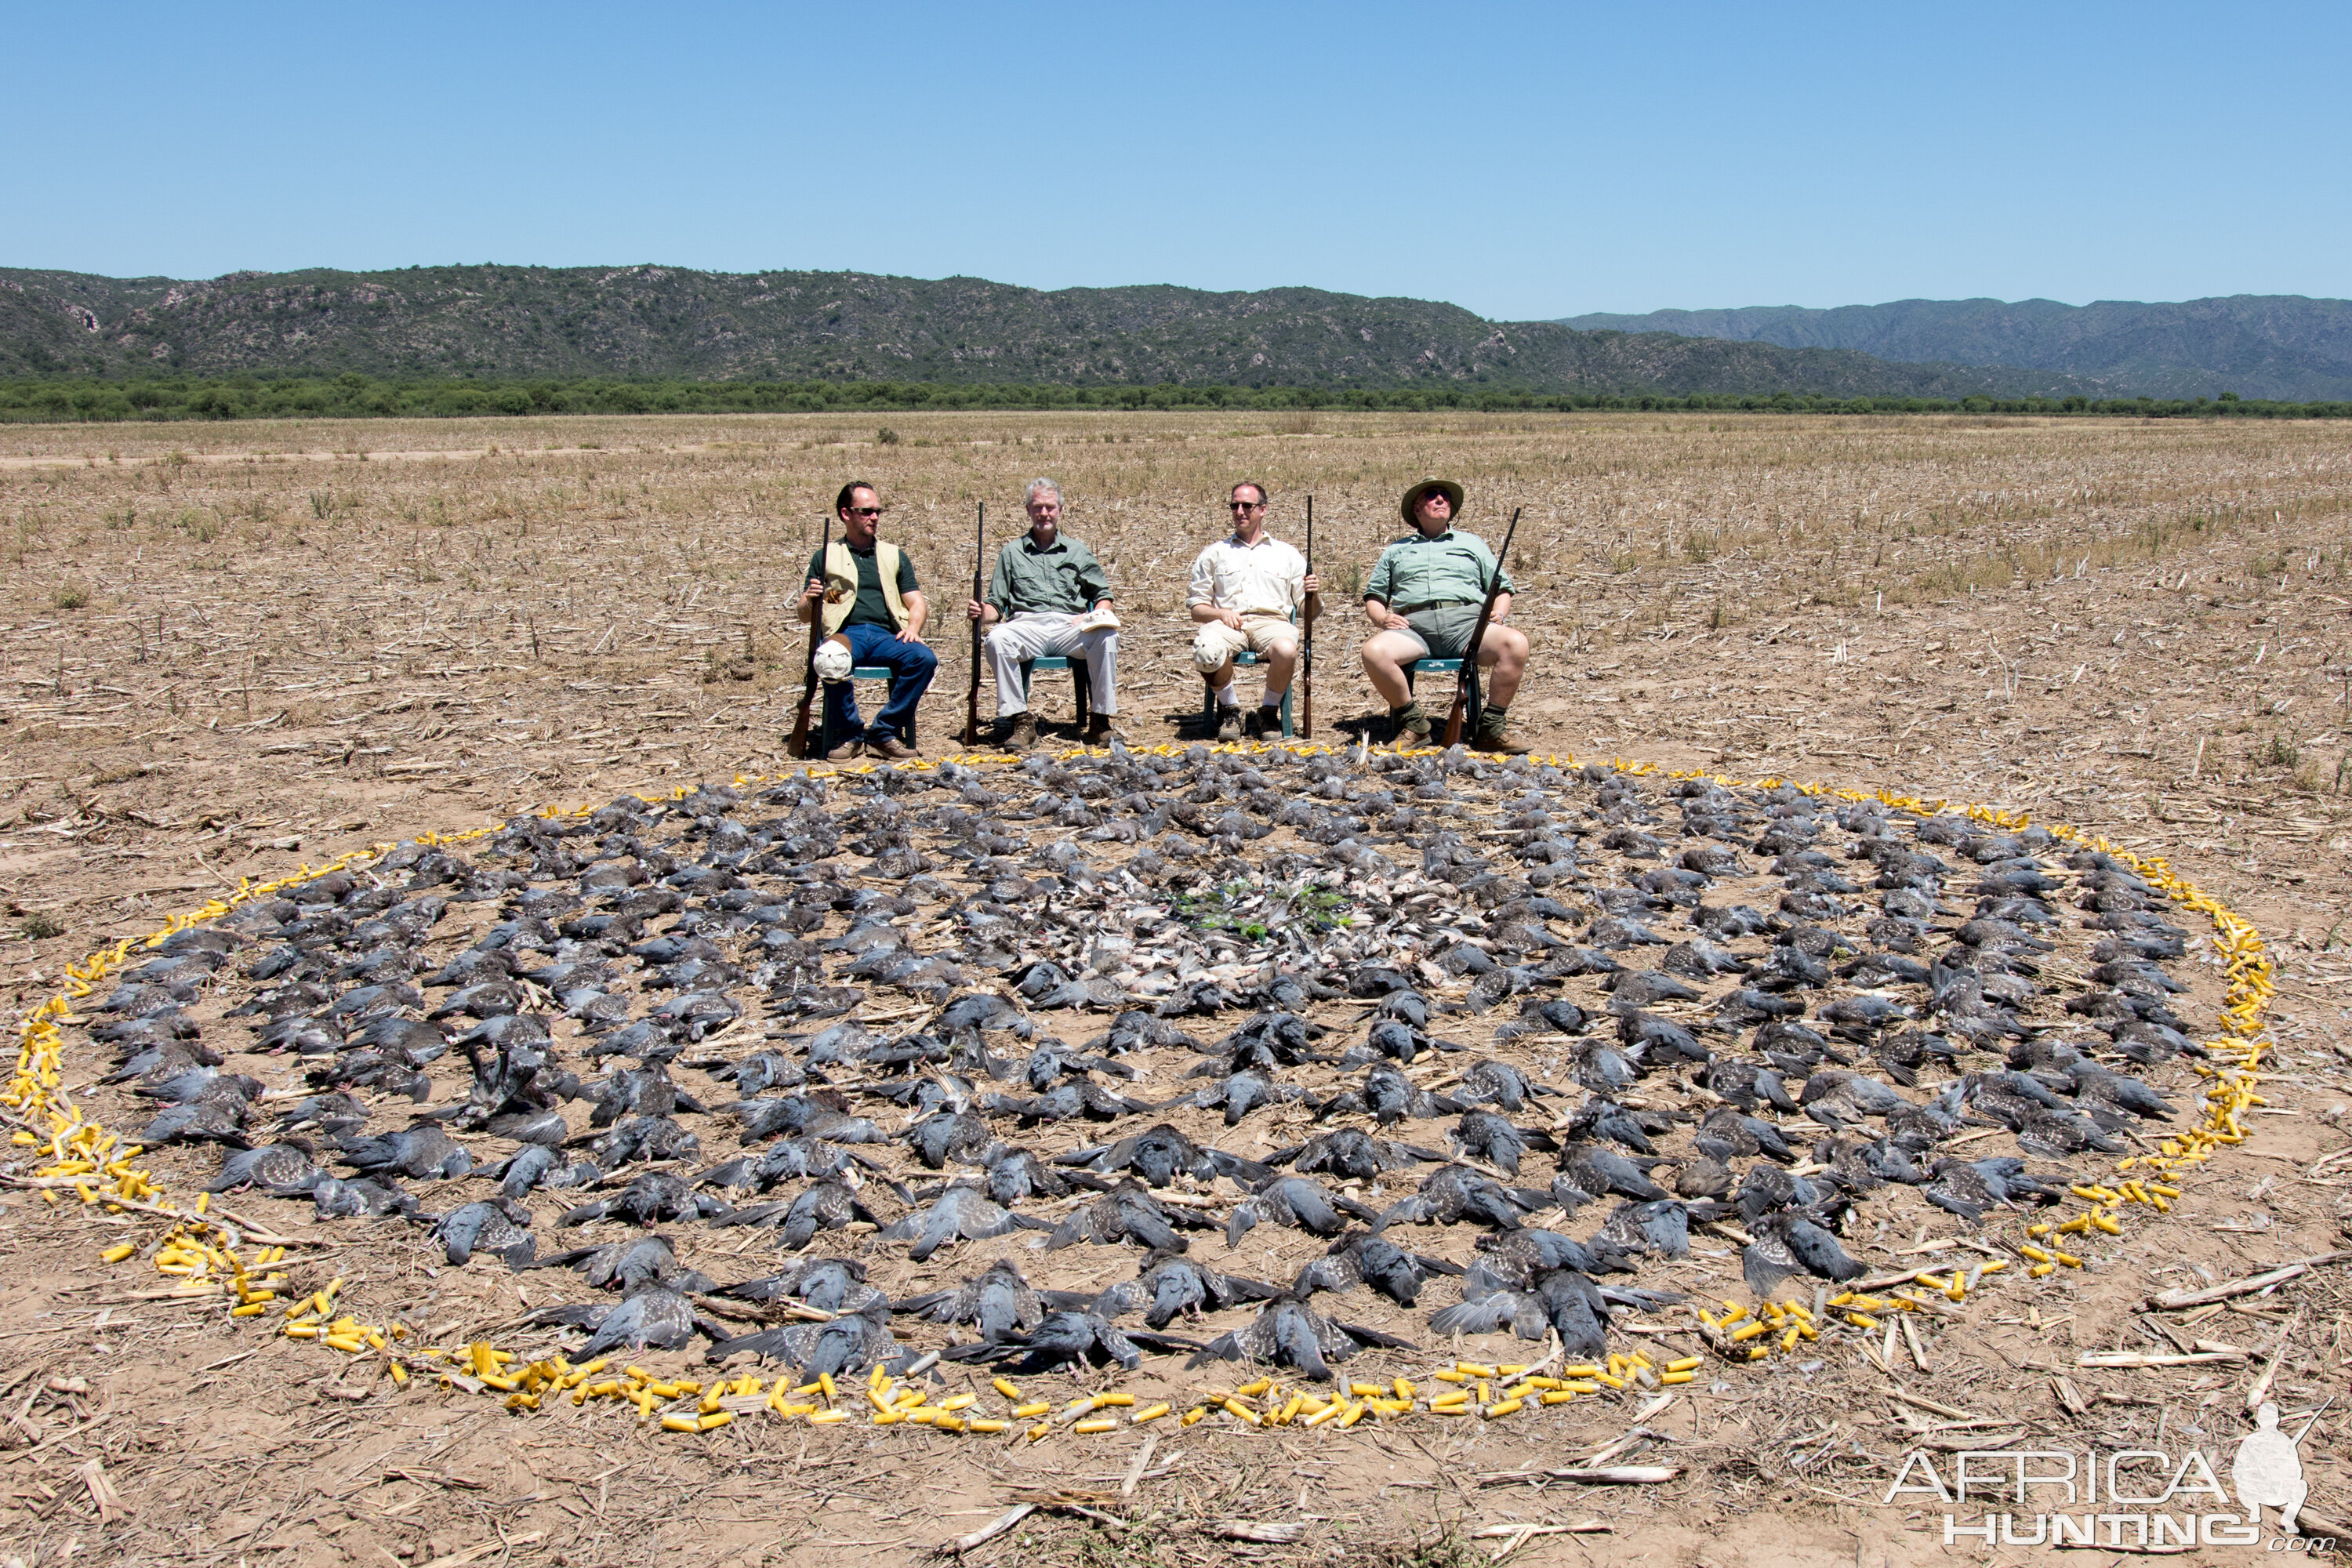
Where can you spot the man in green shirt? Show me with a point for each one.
(1424, 600)
(874, 612)
(1049, 596)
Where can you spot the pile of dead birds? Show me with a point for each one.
(1204, 1053)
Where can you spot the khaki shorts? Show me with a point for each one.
(1442, 634)
(1216, 642)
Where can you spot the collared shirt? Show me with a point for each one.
(1062, 576)
(873, 606)
(1417, 570)
(1267, 578)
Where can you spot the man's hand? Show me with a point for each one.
(1233, 618)
(913, 635)
(973, 609)
(1311, 584)
(815, 590)
(1502, 610)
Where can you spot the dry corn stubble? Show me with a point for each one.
(530, 623)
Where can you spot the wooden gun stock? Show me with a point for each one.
(800, 741)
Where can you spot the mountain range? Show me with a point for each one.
(2258, 345)
(652, 321)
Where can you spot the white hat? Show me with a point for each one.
(832, 660)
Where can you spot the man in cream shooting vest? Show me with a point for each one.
(874, 613)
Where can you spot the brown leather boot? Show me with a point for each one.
(1024, 734)
(894, 749)
(1100, 733)
(1495, 735)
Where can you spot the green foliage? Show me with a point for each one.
(70, 596)
(887, 437)
(1255, 914)
(40, 926)
(356, 397)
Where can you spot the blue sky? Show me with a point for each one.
(1523, 160)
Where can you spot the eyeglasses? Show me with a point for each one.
(1246, 506)
(864, 510)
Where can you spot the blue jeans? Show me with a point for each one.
(911, 663)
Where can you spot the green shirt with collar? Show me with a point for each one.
(1418, 569)
(1062, 577)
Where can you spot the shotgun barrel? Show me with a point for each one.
(1453, 715)
(800, 743)
(1307, 637)
(979, 587)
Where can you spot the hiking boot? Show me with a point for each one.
(1495, 735)
(847, 751)
(1412, 726)
(1024, 734)
(893, 748)
(1229, 722)
(1099, 731)
(1265, 721)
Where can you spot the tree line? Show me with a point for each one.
(98, 400)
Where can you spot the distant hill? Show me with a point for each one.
(671, 322)
(2257, 345)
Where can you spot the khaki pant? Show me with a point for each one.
(1214, 642)
(1040, 634)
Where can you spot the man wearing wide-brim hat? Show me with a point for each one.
(1424, 600)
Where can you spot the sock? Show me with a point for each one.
(1225, 698)
(1492, 716)
(1271, 701)
(1409, 711)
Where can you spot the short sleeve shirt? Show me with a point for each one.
(1263, 579)
(1416, 570)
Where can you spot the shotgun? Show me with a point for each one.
(1455, 715)
(979, 591)
(1307, 656)
(799, 745)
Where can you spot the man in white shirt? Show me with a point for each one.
(1245, 587)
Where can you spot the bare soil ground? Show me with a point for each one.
(225, 650)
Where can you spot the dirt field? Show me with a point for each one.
(230, 650)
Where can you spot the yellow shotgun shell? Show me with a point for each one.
(1100, 1423)
(1149, 1413)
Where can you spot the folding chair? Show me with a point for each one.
(827, 740)
(1209, 693)
(1081, 683)
(1471, 709)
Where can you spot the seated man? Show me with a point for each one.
(1424, 600)
(874, 613)
(1044, 589)
(1245, 587)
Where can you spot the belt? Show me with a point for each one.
(1434, 605)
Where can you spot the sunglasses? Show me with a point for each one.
(1246, 506)
(863, 510)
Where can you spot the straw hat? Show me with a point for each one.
(1452, 492)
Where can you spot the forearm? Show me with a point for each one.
(919, 610)
(1203, 612)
